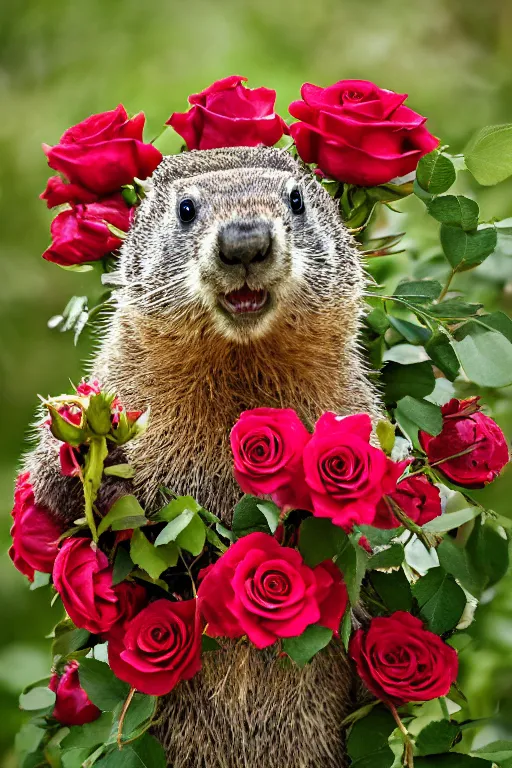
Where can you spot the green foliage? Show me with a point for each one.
(320, 540)
(125, 513)
(437, 737)
(435, 173)
(441, 601)
(301, 649)
(101, 685)
(488, 154)
(368, 740)
(153, 560)
(252, 515)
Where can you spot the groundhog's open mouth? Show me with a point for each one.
(244, 301)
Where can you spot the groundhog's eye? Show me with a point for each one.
(296, 202)
(187, 211)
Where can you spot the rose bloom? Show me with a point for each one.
(160, 647)
(401, 661)
(83, 578)
(226, 114)
(346, 476)
(72, 705)
(466, 428)
(80, 233)
(359, 133)
(267, 445)
(416, 496)
(265, 591)
(98, 156)
(35, 534)
(131, 597)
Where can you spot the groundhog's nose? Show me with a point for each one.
(244, 242)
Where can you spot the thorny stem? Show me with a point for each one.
(122, 717)
(438, 462)
(406, 738)
(427, 540)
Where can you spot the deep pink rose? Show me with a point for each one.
(88, 388)
(98, 156)
(35, 534)
(416, 496)
(226, 114)
(346, 475)
(267, 445)
(132, 598)
(468, 431)
(83, 578)
(160, 647)
(265, 591)
(359, 133)
(72, 705)
(401, 661)
(69, 458)
(81, 234)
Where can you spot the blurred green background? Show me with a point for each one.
(61, 61)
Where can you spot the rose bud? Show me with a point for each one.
(81, 234)
(83, 578)
(100, 155)
(69, 458)
(88, 388)
(72, 705)
(346, 475)
(265, 591)
(35, 534)
(467, 431)
(226, 114)
(401, 661)
(267, 445)
(161, 645)
(416, 496)
(359, 133)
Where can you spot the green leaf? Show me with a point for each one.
(496, 751)
(424, 415)
(352, 560)
(126, 471)
(99, 413)
(412, 332)
(454, 308)
(498, 321)
(437, 737)
(416, 380)
(176, 507)
(40, 580)
(379, 537)
(320, 540)
(138, 718)
(455, 210)
(185, 527)
(435, 173)
(346, 628)
(28, 738)
(367, 743)
(440, 599)
(457, 561)
(488, 155)
(418, 291)
(68, 638)
(450, 760)
(301, 649)
(175, 527)
(124, 513)
(486, 356)
(248, 517)
(153, 560)
(448, 522)
(90, 734)
(465, 250)
(488, 551)
(442, 354)
(209, 644)
(378, 321)
(63, 430)
(214, 540)
(394, 590)
(386, 435)
(146, 752)
(123, 564)
(37, 698)
(271, 513)
(405, 354)
(389, 557)
(103, 688)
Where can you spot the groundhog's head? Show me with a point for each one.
(240, 238)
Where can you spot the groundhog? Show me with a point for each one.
(238, 287)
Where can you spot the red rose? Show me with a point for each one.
(468, 431)
(359, 133)
(132, 598)
(88, 388)
(265, 591)
(267, 445)
(98, 156)
(401, 661)
(346, 475)
(72, 705)
(161, 646)
(416, 496)
(35, 534)
(83, 578)
(226, 114)
(69, 460)
(81, 234)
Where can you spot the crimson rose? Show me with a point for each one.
(160, 647)
(267, 445)
(400, 661)
(35, 534)
(83, 578)
(98, 156)
(265, 591)
(468, 431)
(346, 475)
(81, 233)
(226, 114)
(72, 705)
(416, 496)
(359, 133)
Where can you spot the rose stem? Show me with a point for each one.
(409, 759)
(446, 286)
(194, 590)
(440, 461)
(410, 524)
(444, 707)
(122, 717)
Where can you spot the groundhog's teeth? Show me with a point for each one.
(245, 300)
